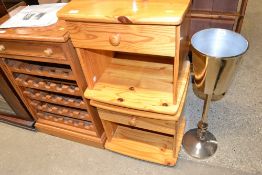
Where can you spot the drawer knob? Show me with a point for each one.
(120, 99)
(114, 39)
(132, 122)
(2, 48)
(48, 52)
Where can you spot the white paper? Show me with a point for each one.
(34, 16)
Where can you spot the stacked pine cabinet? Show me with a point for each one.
(43, 67)
(133, 54)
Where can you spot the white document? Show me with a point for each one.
(34, 16)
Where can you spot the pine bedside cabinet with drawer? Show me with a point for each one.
(133, 54)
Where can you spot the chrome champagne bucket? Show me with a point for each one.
(216, 55)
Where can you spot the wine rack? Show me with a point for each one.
(55, 109)
(65, 120)
(33, 69)
(54, 94)
(54, 98)
(47, 85)
(51, 91)
(43, 68)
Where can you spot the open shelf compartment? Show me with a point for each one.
(140, 82)
(140, 144)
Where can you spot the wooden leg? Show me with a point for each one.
(109, 128)
(179, 136)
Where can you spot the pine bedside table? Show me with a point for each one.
(133, 54)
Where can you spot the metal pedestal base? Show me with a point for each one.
(199, 148)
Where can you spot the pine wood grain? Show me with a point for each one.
(32, 49)
(167, 12)
(157, 125)
(34, 68)
(54, 98)
(93, 63)
(58, 86)
(70, 135)
(147, 146)
(179, 137)
(55, 33)
(64, 111)
(142, 145)
(150, 115)
(51, 45)
(145, 39)
(75, 64)
(110, 129)
(152, 85)
(66, 123)
(12, 80)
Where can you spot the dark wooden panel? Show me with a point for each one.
(224, 24)
(205, 5)
(215, 5)
(198, 24)
(12, 99)
(225, 5)
(10, 119)
(2, 9)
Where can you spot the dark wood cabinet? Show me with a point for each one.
(12, 109)
(227, 14)
(3, 10)
(215, 5)
(6, 5)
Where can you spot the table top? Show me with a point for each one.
(53, 33)
(156, 12)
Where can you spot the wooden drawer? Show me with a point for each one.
(33, 49)
(144, 39)
(163, 126)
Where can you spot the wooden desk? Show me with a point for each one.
(133, 54)
(43, 67)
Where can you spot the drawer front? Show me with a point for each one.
(144, 39)
(163, 126)
(34, 49)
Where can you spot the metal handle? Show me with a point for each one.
(2, 48)
(48, 52)
(115, 39)
(132, 122)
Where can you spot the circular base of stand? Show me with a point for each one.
(197, 148)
